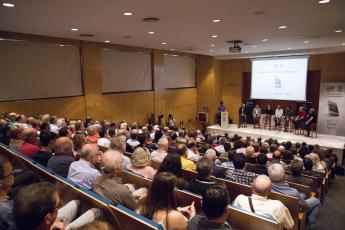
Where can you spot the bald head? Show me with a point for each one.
(261, 185)
(64, 145)
(88, 151)
(111, 162)
(276, 172)
(30, 135)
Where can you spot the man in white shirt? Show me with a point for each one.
(83, 172)
(278, 116)
(192, 153)
(260, 204)
(161, 152)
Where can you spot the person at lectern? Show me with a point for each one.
(278, 116)
(310, 119)
(301, 115)
(242, 115)
(221, 108)
(256, 114)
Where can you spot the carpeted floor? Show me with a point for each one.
(332, 215)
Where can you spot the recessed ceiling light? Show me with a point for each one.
(7, 4)
(254, 46)
(282, 27)
(216, 20)
(151, 32)
(343, 44)
(211, 50)
(306, 42)
(1, 39)
(75, 29)
(338, 31)
(61, 45)
(127, 14)
(164, 43)
(213, 45)
(172, 49)
(324, 1)
(215, 36)
(246, 52)
(288, 48)
(107, 41)
(265, 39)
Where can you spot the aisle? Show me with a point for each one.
(332, 213)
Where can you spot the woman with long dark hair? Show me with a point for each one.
(160, 204)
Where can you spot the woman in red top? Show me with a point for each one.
(300, 117)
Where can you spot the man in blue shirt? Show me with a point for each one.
(313, 205)
(83, 172)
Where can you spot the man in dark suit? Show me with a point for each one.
(242, 115)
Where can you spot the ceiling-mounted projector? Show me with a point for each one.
(236, 48)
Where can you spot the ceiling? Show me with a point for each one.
(186, 25)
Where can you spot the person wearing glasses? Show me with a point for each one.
(84, 171)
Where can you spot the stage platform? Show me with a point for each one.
(335, 142)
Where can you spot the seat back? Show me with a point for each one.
(243, 220)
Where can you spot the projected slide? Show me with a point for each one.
(279, 78)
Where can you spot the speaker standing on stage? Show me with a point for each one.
(278, 116)
(242, 115)
(256, 114)
(311, 118)
(221, 108)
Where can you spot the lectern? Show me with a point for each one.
(224, 119)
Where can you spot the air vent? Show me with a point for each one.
(86, 35)
(150, 19)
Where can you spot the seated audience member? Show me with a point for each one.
(140, 163)
(203, 180)
(133, 142)
(259, 203)
(286, 159)
(182, 151)
(78, 141)
(47, 142)
(163, 208)
(215, 204)
(6, 182)
(217, 171)
(92, 134)
(193, 153)
(250, 155)
(83, 172)
(103, 141)
(308, 170)
(65, 132)
(227, 148)
(230, 163)
(239, 173)
(278, 115)
(110, 185)
(172, 164)
(29, 147)
(312, 205)
(118, 144)
(15, 134)
(220, 148)
(317, 166)
(300, 118)
(63, 156)
(161, 152)
(261, 165)
(296, 176)
(276, 157)
(38, 206)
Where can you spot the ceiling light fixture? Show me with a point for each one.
(338, 31)
(254, 46)
(306, 42)
(172, 49)
(107, 41)
(343, 44)
(288, 48)
(215, 36)
(211, 50)
(324, 1)
(7, 4)
(127, 14)
(151, 32)
(61, 45)
(164, 43)
(265, 39)
(213, 45)
(216, 20)
(1, 39)
(75, 29)
(282, 27)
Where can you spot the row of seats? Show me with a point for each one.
(119, 216)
